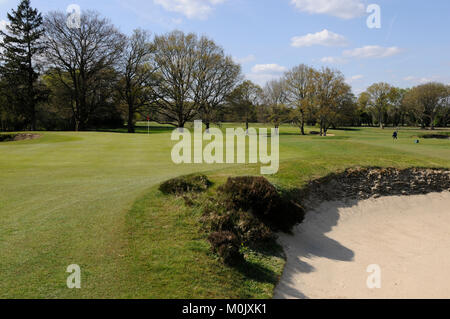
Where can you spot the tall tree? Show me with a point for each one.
(175, 57)
(396, 109)
(427, 101)
(275, 92)
(21, 45)
(445, 116)
(215, 77)
(331, 93)
(363, 112)
(300, 90)
(346, 109)
(244, 100)
(137, 69)
(280, 114)
(87, 54)
(379, 98)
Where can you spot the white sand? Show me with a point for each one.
(408, 237)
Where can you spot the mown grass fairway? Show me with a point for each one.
(91, 199)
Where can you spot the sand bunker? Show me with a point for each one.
(407, 236)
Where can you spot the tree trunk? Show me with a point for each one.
(302, 128)
(380, 119)
(33, 118)
(130, 120)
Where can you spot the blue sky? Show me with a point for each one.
(269, 36)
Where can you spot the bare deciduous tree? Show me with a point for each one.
(244, 100)
(175, 57)
(137, 70)
(275, 92)
(85, 53)
(215, 77)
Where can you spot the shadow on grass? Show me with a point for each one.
(257, 272)
(441, 135)
(253, 270)
(347, 129)
(139, 130)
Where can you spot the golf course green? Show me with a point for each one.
(92, 199)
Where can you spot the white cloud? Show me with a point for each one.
(192, 9)
(324, 38)
(344, 9)
(247, 59)
(409, 78)
(261, 79)
(150, 13)
(354, 78)
(333, 60)
(420, 80)
(268, 68)
(262, 73)
(372, 51)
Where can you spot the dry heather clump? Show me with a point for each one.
(258, 196)
(247, 228)
(247, 211)
(227, 246)
(185, 184)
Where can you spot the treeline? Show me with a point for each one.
(56, 75)
(305, 95)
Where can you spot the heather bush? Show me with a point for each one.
(227, 246)
(185, 184)
(247, 228)
(259, 197)
(244, 212)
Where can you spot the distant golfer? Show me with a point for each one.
(395, 135)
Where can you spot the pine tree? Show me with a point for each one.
(21, 46)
